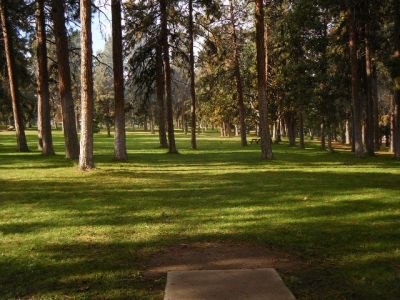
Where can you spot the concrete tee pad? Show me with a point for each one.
(255, 284)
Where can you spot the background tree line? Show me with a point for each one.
(279, 68)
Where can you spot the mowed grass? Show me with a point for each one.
(68, 234)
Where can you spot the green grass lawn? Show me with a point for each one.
(64, 233)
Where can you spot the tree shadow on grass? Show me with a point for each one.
(227, 153)
(86, 235)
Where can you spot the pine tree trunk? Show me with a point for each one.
(334, 133)
(273, 131)
(64, 81)
(357, 111)
(341, 133)
(278, 137)
(323, 136)
(392, 126)
(145, 124)
(152, 122)
(238, 77)
(42, 80)
(283, 127)
(266, 149)
(348, 133)
(108, 128)
(396, 135)
(78, 122)
(22, 145)
(185, 125)
(120, 135)
(323, 144)
(301, 130)
(396, 55)
(330, 148)
(192, 77)
(167, 76)
(160, 98)
(377, 131)
(369, 126)
(86, 147)
(291, 126)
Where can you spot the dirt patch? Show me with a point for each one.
(218, 256)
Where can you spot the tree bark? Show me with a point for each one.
(392, 125)
(22, 145)
(348, 133)
(192, 77)
(291, 126)
(86, 147)
(278, 137)
(342, 133)
(167, 76)
(375, 97)
(396, 56)
(145, 123)
(119, 100)
(42, 80)
(357, 140)
(160, 98)
(108, 129)
(301, 130)
(152, 121)
(238, 77)
(369, 125)
(330, 148)
(323, 144)
(266, 149)
(64, 81)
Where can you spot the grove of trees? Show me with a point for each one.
(295, 69)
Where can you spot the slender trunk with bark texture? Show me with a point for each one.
(266, 149)
(108, 128)
(42, 81)
(152, 121)
(357, 111)
(323, 144)
(301, 130)
(396, 131)
(353, 147)
(86, 147)
(291, 129)
(160, 98)
(369, 125)
(167, 76)
(185, 126)
(22, 145)
(348, 133)
(342, 133)
(145, 124)
(396, 56)
(375, 98)
(238, 77)
(64, 81)
(283, 127)
(192, 77)
(392, 125)
(278, 137)
(120, 135)
(330, 148)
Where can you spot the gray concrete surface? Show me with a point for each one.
(256, 284)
